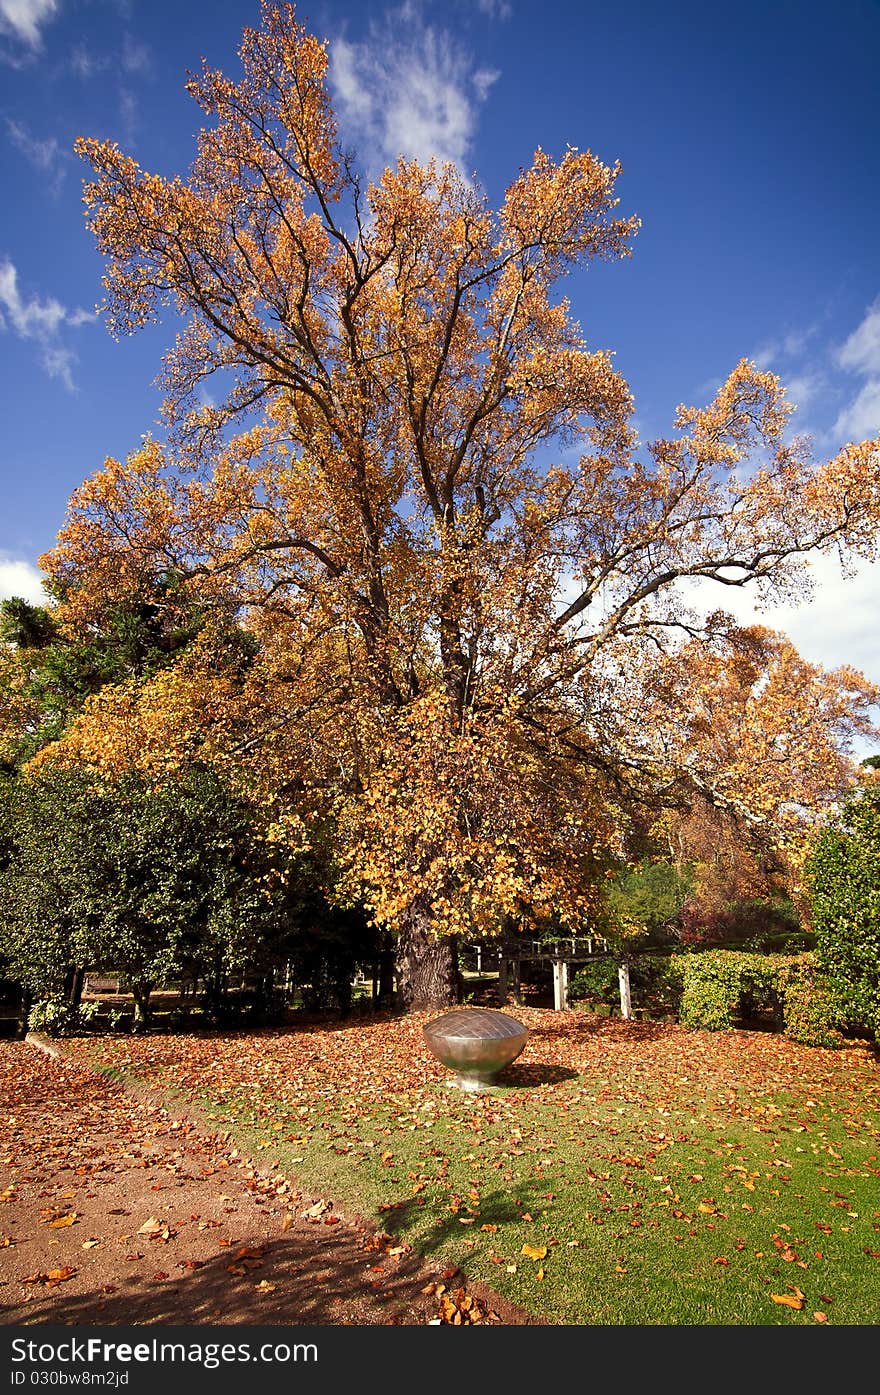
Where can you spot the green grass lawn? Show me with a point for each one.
(623, 1175)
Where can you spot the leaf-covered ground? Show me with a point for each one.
(114, 1208)
(624, 1173)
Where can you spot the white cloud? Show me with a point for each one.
(25, 18)
(409, 89)
(837, 626)
(48, 156)
(861, 352)
(860, 418)
(495, 9)
(40, 321)
(801, 388)
(32, 319)
(19, 578)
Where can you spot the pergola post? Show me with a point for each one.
(625, 996)
(502, 979)
(560, 985)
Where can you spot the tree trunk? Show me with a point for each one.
(23, 1011)
(141, 994)
(73, 986)
(427, 967)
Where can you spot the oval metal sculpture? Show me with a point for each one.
(476, 1043)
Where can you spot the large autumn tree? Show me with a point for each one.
(419, 488)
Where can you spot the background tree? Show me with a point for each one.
(47, 669)
(421, 494)
(651, 895)
(156, 881)
(843, 874)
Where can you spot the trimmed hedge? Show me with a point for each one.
(721, 987)
(715, 990)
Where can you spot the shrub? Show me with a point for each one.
(713, 985)
(721, 987)
(595, 983)
(59, 1018)
(656, 983)
(843, 878)
(809, 1012)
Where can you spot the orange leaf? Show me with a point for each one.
(789, 1300)
(534, 1251)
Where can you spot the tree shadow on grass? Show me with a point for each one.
(340, 1283)
(528, 1076)
(498, 1208)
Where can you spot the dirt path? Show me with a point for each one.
(113, 1210)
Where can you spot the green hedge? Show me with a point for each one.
(717, 989)
(721, 987)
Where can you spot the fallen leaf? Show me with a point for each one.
(789, 1300)
(54, 1276)
(534, 1251)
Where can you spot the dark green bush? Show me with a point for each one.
(843, 877)
(595, 983)
(656, 983)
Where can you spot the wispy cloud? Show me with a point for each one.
(495, 9)
(861, 351)
(860, 355)
(48, 156)
(24, 19)
(408, 89)
(85, 63)
(20, 578)
(41, 322)
(128, 111)
(136, 57)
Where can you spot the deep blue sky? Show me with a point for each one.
(749, 136)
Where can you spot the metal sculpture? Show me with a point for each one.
(476, 1043)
